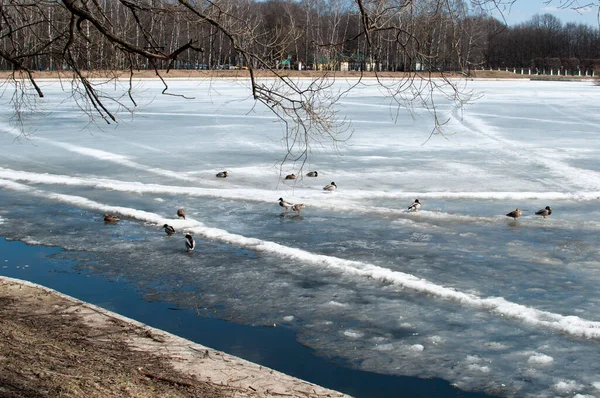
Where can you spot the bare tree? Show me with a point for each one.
(99, 37)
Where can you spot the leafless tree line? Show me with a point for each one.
(381, 35)
(544, 43)
(400, 35)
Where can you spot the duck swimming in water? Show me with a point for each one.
(284, 204)
(330, 187)
(545, 212)
(169, 229)
(297, 207)
(415, 206)
(189, 243)
(515, 213)
(223, 174)
(181, 213)
(290, 177)
(110, 218)
(312, 174)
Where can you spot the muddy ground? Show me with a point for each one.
(54, 346)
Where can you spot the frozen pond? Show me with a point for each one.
(457, 290)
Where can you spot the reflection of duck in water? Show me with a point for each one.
(312, 174)
(330, 187)
(290, 177)
(415, 206)
(181, 213)
(545, 212)
(297, 207)
(515, 213)
(169, 229)
(284, 204)
(110, 218)
(189, 243)
(222, 174)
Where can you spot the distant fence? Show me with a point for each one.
(550, 72)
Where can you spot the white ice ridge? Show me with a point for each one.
(571, 325)
(337, 202)
(259, 195)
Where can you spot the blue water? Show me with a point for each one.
(274, 347)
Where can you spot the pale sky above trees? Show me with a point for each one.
(523, 10)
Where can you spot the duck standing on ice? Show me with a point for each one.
(330, 187)
(415, 206)
(189, 243)
(515, 213)
(297, 207)
(284, 204)
(545, 212)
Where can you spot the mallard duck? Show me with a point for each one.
(284, 204)
(330, 187)
(110, 218)
(515, 213)
(181, 213)
(312, 174)
(415, 206)
(297, 207)
(189, 243)
(169, 229)
(290, 177)
(222, 174)
(545, 212)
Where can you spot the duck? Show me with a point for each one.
(189, 242)
(110, 218)
(290, 177)
(222, 174)
(330, 187)
(169, 229)
(312, 174)
(415, 206)
(297, 207)
(515, 213)
(181, 213)
(284, 204)
(545, 212)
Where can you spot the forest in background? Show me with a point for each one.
(307, 34)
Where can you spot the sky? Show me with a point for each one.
(523, 10)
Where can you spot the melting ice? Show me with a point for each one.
(456, 290)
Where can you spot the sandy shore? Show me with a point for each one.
(52, 344)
